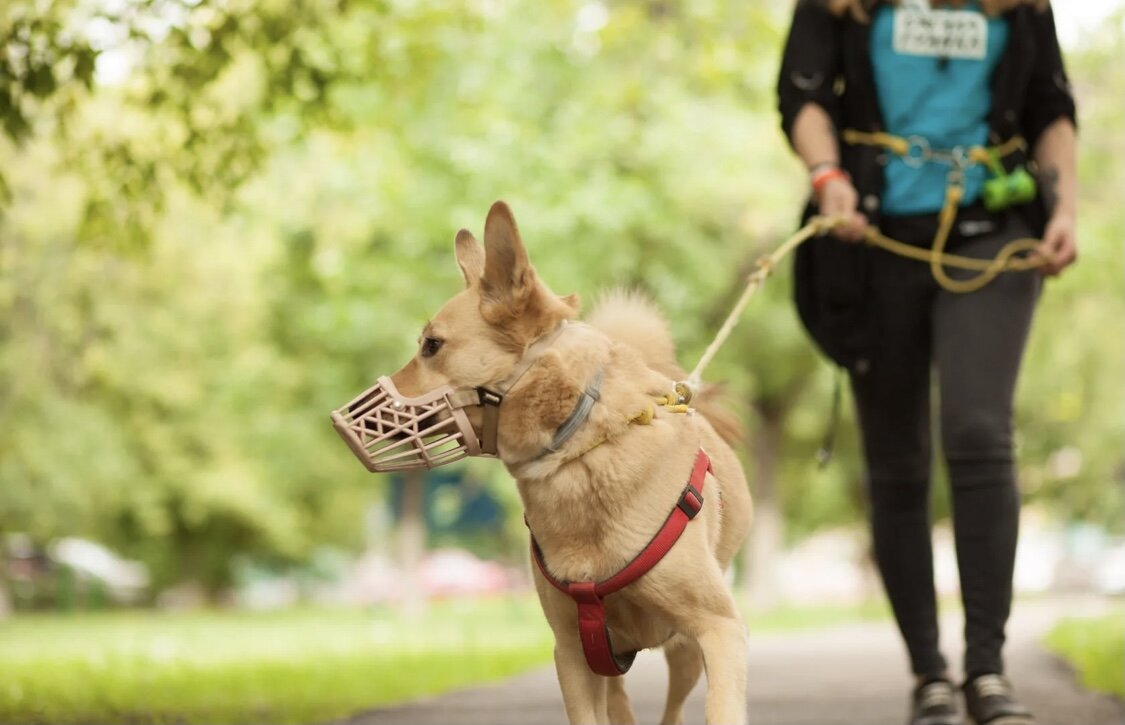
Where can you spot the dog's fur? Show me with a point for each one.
(596, 503)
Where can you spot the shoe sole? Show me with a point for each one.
(1008, 720)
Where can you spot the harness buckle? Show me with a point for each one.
(691, 502)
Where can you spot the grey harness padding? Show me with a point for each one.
(577, 417)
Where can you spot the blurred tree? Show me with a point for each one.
(225, 219)
(1070, 422)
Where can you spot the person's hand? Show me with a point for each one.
(1058, 248)
(838, 198)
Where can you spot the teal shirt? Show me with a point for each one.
(932, 77)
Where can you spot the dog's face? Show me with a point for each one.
(478, 337)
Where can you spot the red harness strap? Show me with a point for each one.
(588, 595)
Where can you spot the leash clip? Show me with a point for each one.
(961, 157)
(685, 391)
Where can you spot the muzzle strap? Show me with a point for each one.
(490, 425)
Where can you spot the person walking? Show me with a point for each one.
(901, 110)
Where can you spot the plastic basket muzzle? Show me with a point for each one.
(390, 432)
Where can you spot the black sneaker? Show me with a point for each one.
(933, 703)
(989, 701)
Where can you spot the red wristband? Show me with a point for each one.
(821, 178)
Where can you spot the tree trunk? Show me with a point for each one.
(412, 544)
(767, 533)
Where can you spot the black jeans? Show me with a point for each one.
(971, 345)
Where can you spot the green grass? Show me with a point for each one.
(807, 617)
(1096, 649)
(294, 666)
(225, 667)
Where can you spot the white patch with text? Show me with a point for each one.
(940, 33)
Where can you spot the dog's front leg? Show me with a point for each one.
(584, 693)
(618, 709)
(723, 641)
(685, 665)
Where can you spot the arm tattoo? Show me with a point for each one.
(1049, 188)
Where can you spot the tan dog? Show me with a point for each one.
(597, 501)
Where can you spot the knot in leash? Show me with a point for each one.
(765, 266)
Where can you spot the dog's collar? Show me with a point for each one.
(577, 417)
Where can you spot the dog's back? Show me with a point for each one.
(632, 318)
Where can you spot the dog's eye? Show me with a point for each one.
(430, 346)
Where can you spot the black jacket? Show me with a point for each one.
(827, 61)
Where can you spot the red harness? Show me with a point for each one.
(588, 595)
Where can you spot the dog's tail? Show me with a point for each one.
(632, 318)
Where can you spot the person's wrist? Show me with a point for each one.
(821, 165)
(1064, 210)
(824, 175)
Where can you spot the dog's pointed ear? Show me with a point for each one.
(470, 257)
(507, 271)
(573, 302)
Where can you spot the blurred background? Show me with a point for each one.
(221, 219)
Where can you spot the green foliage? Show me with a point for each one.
(1070, 421)
(202, 258)
(1096, 649)
(42, 56)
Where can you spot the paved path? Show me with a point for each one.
(852, 675)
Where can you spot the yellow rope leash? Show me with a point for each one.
(1006, 260)
(938, 259)
(903, 146)
(645, 415)
(818, 225)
